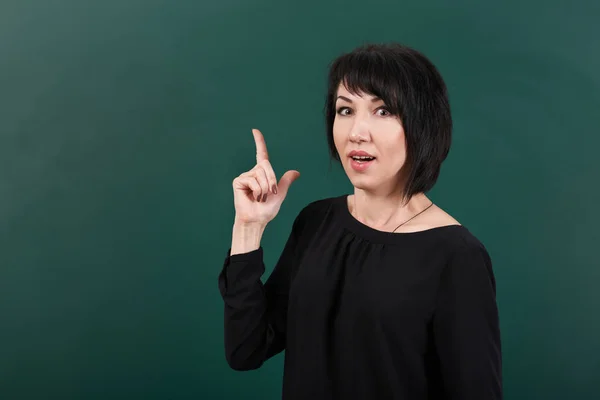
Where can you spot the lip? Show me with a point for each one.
(360, 166)
(359, 153)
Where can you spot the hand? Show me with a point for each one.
(257, 194)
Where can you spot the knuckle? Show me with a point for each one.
(262, 175)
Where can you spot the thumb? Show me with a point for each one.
(286, 180)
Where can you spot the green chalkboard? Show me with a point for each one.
(123, 123)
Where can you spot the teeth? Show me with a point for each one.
(362, 158)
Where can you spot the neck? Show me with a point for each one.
(385, 211)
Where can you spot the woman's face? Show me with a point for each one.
(370, 141)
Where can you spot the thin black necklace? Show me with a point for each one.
(420, 212)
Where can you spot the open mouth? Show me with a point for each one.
(362, 159)
(361, 163)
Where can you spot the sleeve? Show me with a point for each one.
(256, 313)
(466, 328)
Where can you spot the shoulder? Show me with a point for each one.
(316, 208)
(435, 217)
(458, 241)
(313, 213)
(467, 259)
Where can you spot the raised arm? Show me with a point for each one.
(255, 314)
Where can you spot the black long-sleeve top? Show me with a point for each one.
(366, 314)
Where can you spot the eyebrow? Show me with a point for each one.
(373, 100)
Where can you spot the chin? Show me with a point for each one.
(362, 182)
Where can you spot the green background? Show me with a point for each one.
(123, 123)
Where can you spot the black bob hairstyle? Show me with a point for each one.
(413, 89)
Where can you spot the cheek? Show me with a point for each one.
(392, 146)
(397, 150)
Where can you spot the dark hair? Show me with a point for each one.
(413, 89)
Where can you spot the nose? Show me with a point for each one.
(359, 132)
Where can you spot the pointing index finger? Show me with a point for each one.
(261, 146)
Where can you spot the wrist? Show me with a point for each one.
(246, 226)
(246, 237)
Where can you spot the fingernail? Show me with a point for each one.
(274, 189)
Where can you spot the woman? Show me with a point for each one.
(379, 294)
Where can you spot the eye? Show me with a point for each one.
(343, 111)
(384, 112)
